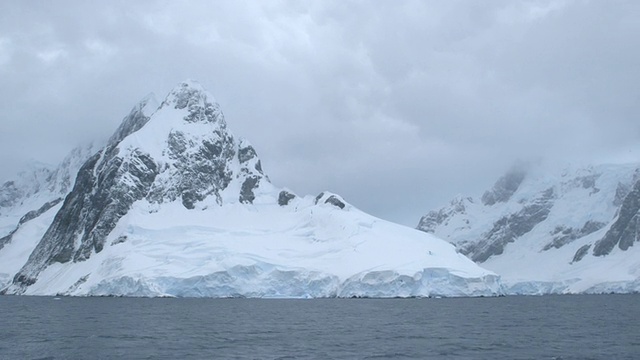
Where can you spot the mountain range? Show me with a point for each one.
(572, 229)
(173, 204)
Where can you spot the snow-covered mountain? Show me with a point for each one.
(566, 231)
(175, 205)
(40, 183)
(30, 197)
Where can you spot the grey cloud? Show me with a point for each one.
(397, 106)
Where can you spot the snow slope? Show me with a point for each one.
(38, 184)
(539, 229)
(303, 249)
(175, 205)
(15, 252)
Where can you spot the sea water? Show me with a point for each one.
(545, 327)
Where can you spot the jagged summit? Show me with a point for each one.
(188, 91)
(200, 104)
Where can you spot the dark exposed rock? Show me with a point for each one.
(201, 168)
(505, 187)
(199, 107)
(119, 240)
(622, 190)
(197, 173)
(178, 144)
(591, 226)
(433, 219)
(625, 229)
(508, 228)
(114, 195)
(246, 193)
(182, 95)
(80, 281)
(91, 211)
(23, 280)
(333, 200)
(105, 188)
(561, 236)
(565, 235)
(7, 238)
(207, 112)
(35, 213)
(284, 197)
(582, 251)
(246, 153)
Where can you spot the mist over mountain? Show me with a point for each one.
(545, 230)
(427, 95)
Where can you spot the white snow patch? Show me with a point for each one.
(265, 250)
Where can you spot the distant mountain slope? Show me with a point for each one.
(176, 205)
(38, 184)
(33, 195)
(567, 231)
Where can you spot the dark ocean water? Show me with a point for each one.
(549, 327)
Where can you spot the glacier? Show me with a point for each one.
(303, 250)
(175, 205)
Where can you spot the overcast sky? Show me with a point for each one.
(396, 105)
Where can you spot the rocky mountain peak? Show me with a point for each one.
(180, 151)
(200, 104)
(186, 90)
